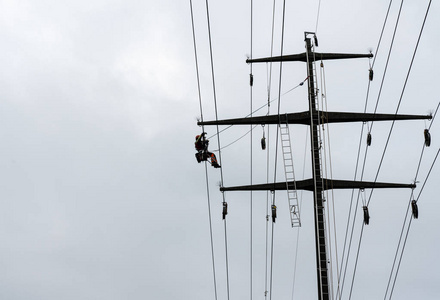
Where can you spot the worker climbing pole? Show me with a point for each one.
(203, 154)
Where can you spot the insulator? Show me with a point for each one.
(225, 210)
(366, 215)
(301, 83)
(316, 40)
(427, 138)
(369, 139)
(263, 143)
(251, 79)
(274, 213)
(370, 74)
(415, 209)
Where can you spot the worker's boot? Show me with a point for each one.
(214, 162)
(216, 165)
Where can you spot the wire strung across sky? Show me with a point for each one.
(218, 141)
(393, 122)
(206, 167)
(249, 115)
(407, 213)
(383, 153)
(251, 155)
(401, 95)
(269, 84)
(339, 292)
(221, 172)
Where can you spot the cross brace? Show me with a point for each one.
(323, 117)
(308, 185)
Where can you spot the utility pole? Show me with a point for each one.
(314, 118)
(320, 238)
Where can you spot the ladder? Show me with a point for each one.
(290, 175)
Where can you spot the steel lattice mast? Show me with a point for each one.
(314, 118)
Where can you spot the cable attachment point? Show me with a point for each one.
(251, 79)
(369, 139)
(263, 142)
(366, 215)
(427, 137)
(274, 213)
(316, 40)
(370, 74)
(302, 82)
(225, 210)
(415, 209)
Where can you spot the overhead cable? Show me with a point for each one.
(218, 141)
(393, 122)
(251, 157)
(317, 17)
(403, 91)
(269, 85)
(366, 151)
(261, 107)
(381, 33)
(276, 139)
(409, 225)
(407, 211)
(206, 167)
(388, 58)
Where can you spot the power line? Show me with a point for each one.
(381, 33)
(393, 122)
(206, 167)
(261, 107)
(339, 291)
(404, 222)
(267, 216)
(269, 85)
(271, 54)
(328, 146)
(403, 91)
(218, 141)
(251, 157)
(392, 126)
(233, 142)
(279, 97)
(388, 59)
(357, 258)
(409, 225)
(271, 260)
(409, 203)
(276, 139)
(317, 16)
(300, 205)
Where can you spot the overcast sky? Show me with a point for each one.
(101, 196)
